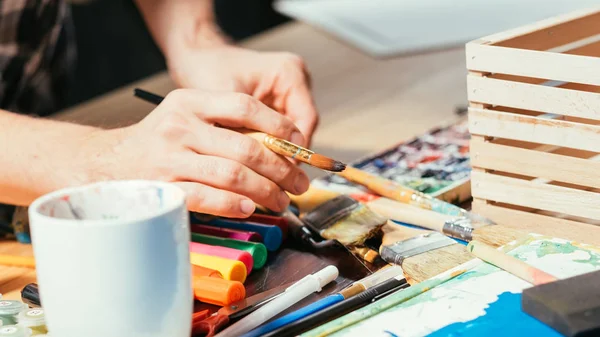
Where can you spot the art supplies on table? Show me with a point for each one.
(436, 164)
(224, 252)
(210, 325)
(34, 319)
(277, 145)
(348, 222)
(272, 236)
(257, 250)
(484, 300)
(324, 304)
(217, 291)
(232, 270)
(226, 233)
(299, 290)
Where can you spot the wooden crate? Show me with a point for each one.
(534, 116)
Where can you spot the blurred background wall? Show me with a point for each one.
(114, 47)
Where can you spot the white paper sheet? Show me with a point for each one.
(388, 27)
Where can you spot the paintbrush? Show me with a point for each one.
(422, 254)
(348, 222)
(456, 227)
(395, 191)
(277, 145)
(509, 263)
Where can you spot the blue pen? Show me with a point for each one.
(356, 288)
(272, 235)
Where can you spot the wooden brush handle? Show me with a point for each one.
(312, 198)
(393, 233)
(412, 215)
(510, 264)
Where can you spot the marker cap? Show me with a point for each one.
(225, 252)
(257, 250)
(230, 269)
(218, 291)
(326, 275)
(201, 271)
(272, 235)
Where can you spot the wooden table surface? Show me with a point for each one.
(365, 106)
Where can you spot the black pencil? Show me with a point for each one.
(147, 96)
(341, 308)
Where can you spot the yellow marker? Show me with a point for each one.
(17, 261)
(230, 269)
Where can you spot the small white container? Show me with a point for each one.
(14, 331)
(9, 310)
(34, 319)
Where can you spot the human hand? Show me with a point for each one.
(279, 80)
(223, 172)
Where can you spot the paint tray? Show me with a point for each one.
(436, 163)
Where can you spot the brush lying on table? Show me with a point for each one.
(348, 222)
(395, 191)
(277, 145)
(456, 227)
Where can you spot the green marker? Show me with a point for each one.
(257, 250)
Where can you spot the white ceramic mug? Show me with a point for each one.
(113, 259)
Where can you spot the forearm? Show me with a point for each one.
(180, 24)
(38, 156)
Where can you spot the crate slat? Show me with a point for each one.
(532, 129)
(551, 32)
(530, 63)
(540, 224)
(535, 195)
(487, 155)
(534, 97)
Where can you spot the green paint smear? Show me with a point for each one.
(548, 248)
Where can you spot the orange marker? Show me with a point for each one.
(218, 291)
(201, 271)
(232, 270)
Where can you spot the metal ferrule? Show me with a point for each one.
(459, 228)
(289, 148)
(401, 250)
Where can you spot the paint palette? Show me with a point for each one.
(436, 163)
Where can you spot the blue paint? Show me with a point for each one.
(391, 333)
(503, 317)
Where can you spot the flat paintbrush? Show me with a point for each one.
(350, 223)
(277, 145)
(456, 227)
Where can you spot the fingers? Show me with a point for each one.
(214, 141)
(205, 199)
(232, 176)
(235, 110)
(300, 108)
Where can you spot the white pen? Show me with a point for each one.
(295, 293)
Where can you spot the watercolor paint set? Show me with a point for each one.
(436, 163)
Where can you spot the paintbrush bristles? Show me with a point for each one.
(497, 235)
(361, 224)
(426, 265)
(326, 163)
(291, 150)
